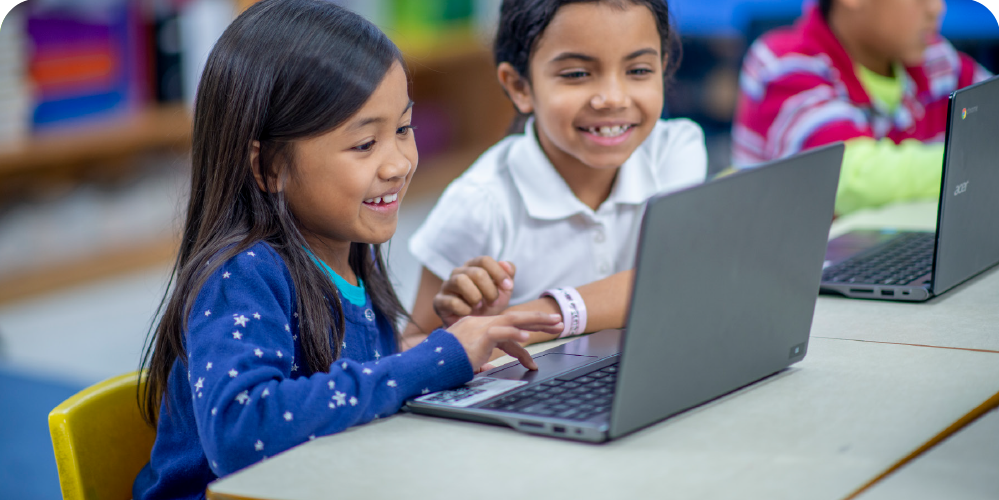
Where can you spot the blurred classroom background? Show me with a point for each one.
(95, 99)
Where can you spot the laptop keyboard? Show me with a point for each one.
(580, 398)
(899, 261)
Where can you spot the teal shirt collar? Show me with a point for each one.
(354, 294)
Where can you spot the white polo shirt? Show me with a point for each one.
(513, 205)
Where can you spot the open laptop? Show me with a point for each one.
(914, 265)
(726, 280)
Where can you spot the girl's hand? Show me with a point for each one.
(479, 335)
(481, 287)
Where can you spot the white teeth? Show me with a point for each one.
(382, 199)
(612, 131)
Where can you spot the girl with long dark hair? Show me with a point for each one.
(279, 325)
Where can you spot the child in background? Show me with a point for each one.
(280, 325)
(873, 73)
(560, 202)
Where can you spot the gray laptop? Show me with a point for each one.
(916, 265)
(727, 275)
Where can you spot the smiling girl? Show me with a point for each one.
(559, 203)
(279, 325)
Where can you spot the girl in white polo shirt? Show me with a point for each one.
(558, 205)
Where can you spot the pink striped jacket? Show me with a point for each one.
(798, 90)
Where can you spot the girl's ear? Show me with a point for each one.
(517, 88)
(270, 183)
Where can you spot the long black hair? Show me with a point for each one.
(284, 70)
(825, 7)
(522, 22)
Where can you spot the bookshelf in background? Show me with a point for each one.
(460, 111)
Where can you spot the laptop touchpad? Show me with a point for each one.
(548, 365)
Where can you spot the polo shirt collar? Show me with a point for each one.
(547, 196)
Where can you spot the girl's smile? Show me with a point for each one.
(345, 185)
(608, 134)
(595, 85)
(387, 203)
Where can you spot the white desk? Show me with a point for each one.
(965, 466)
(821, 430)
(965, 317)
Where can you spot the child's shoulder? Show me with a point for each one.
(489, 174)
(673, 133)
(677, 128)
(259, 261)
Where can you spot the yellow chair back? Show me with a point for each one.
(100, 440)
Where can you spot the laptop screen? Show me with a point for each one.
(968, 220)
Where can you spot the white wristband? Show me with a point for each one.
(570, 302)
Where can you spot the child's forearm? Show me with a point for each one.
(879, 172)
(606, 304)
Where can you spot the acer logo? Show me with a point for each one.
(962, 187)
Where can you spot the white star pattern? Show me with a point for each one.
(287, 327)
(226, 274)
(236, 335)
(251, 254)
(332, 405)
(343, 344)
(294, 367)
(200, 394)
(267, 392)
(441, 362)
(294, 337)
(287, 416)
(208, 313)
(259, 445)
(280, 354)
(391, 383)
(439, 349)
(332, 384)
(344, 365)
(425, 391)
(353, 401)
(366, 371)
(256, 315)
(377, 356)
(233, 373)
(240, 320)
(214, 411)
(258, 353)
(200, 383)
(340, 398)
(243, 397)
(295, 315)
(208, 366)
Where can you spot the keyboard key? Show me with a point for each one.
(568, 413)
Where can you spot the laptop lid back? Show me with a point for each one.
(727, 277)
(968, 218)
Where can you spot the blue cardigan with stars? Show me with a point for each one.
(243, 396)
